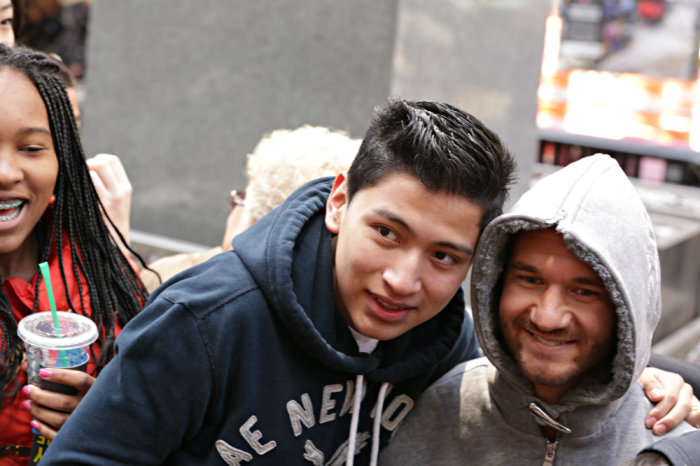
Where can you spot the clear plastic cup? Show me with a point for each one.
(46, 349)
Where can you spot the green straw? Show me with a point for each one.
(44, 269)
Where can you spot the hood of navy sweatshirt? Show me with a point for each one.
(289, 253)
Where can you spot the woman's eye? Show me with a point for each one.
(33, 148)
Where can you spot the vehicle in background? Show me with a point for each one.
(652, 11)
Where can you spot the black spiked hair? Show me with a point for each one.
(446, 148)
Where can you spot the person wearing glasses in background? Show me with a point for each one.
(281, 162)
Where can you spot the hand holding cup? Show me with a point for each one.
(57, 344)
(51, 409)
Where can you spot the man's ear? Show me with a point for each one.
(337, 203)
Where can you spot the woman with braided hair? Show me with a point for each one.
(50, 212)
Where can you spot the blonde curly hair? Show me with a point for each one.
(286, 159)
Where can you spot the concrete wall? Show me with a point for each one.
(481, 55)
(183, 90)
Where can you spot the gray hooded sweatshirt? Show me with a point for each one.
(480, 412)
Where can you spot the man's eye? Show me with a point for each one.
(386, 232)
(529, 280)
(445, 258)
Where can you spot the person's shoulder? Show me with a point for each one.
(210, 301)
(468, 376)
(632, 411)
(209, 286)
(679, 450)
(164, 268)
(465, 369)
(443, 420)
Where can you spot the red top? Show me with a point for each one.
(14, 419)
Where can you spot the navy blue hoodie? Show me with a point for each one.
(247, 359)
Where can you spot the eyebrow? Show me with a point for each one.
(5, 7)
(32, 130)
(580, 280)
(446, 244)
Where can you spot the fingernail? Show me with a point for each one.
(27, 389)
(657, 392)
(44, 372)
(661, 429)
(35, 424)
(27, 404)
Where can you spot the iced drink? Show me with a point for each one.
(45, 348)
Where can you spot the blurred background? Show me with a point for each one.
(182, 91)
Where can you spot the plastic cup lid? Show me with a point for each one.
(76, 331)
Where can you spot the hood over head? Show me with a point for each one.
(603, 221)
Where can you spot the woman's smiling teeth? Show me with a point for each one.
(10, 209)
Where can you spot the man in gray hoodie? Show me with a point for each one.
(565, 298)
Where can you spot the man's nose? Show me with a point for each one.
(551, 311)
(403, 275)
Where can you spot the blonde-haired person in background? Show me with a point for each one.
(281, 162)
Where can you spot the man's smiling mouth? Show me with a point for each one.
(390, 307)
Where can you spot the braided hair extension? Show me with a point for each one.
(114, 288)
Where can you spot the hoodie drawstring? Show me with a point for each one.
(352, 438)
(544, 418)
(378, 423)
(355, 419)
